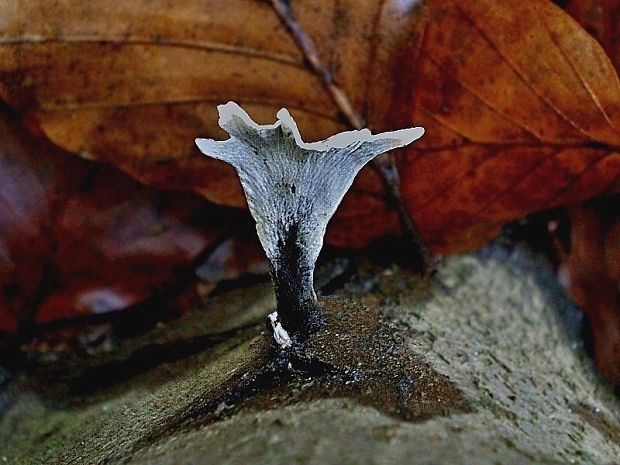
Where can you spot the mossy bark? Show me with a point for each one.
(485, 365)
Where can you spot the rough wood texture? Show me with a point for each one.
(494, 332)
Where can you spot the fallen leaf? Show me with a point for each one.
(80, 238)
(592, 274)
(590, 270)
(238, 256)
(600, 18)
(520, 105)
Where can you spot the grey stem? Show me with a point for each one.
(293, 188)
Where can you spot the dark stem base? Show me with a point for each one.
(292, 275)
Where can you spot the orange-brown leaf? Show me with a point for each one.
(80, 238)
(592, 275)
(520, 104)
(600, 18)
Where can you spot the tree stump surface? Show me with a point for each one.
(484, 365)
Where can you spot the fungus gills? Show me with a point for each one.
(293, 188)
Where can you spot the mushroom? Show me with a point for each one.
(293, 188)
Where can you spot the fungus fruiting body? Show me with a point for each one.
(293, 188)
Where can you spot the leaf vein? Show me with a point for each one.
(529, 84)
(198, 45)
